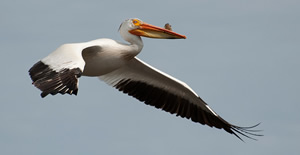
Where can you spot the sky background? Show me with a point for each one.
(241, 57)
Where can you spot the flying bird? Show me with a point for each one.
(116, 64)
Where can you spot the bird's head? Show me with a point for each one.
(137, 27)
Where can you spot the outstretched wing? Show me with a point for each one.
(158, 89)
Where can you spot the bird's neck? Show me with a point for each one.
(136, 45)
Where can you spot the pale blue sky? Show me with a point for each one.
(241, 57)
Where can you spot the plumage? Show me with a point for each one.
(116, 64)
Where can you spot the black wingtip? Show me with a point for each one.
(248, 132)
(43, 94)
(52, 82)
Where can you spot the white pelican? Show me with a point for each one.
(116, 64)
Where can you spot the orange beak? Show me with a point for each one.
(151, 31)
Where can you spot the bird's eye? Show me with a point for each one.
(136, 22)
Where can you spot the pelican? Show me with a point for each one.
(116, 64)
